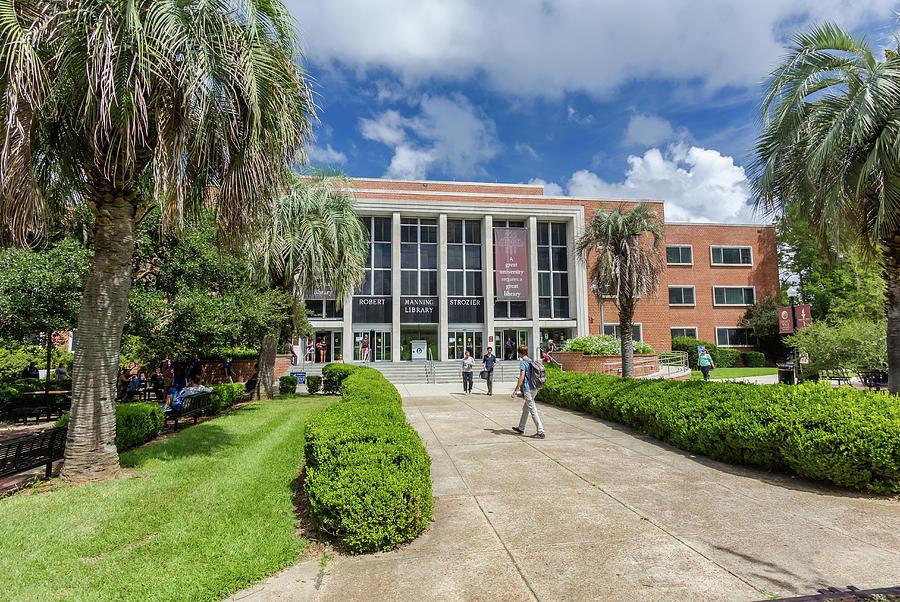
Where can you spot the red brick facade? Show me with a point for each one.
(655, 315)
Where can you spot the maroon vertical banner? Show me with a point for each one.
(804, 316)
(785, 324)
(511, 264)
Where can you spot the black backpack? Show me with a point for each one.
(537, 377)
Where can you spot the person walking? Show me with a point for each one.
(487, 364)
(529, 407)
(705, 361)
(509, 348)
(468, 363)
(226, 371)
(364, 348)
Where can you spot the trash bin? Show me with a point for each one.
(785, 374)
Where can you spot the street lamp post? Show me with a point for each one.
(792, 295)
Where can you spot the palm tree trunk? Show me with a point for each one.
(265, 381)
(626, 315)
(892, 308)
(90, 446)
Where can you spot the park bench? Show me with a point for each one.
(874, 379)
(35, 404)
(191, 405)
(29, 451)
(841, 377)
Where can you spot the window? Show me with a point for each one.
(509, 309)
(553, 270)
(733, 337)
(684, 331)
(637, 331)
(681, 295)
(679, 255)
(464, 258)
(731, 255)
(734, 295)
(318, 308)
(378, 264)
(418, 257)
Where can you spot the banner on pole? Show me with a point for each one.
(511, 264)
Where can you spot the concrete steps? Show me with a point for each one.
(414, 372)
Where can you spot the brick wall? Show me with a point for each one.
(645, 365)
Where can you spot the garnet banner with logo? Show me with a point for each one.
(511, 264)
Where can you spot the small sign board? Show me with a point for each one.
(419, 350)
(301, 377)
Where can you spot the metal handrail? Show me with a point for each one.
(429, 369)
(667, 360)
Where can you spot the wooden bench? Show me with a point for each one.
(34, 404)
(28, 451)
(841, 377)
(874, 379)
(191, 405)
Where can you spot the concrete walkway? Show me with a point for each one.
(596, 511)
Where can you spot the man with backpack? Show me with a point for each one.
(531, 378)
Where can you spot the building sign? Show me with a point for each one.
(418, 310)
(372, 310)
(321, 293)
(786, 325)
(465, 310)
(511, 264)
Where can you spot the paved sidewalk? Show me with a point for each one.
(596, 511)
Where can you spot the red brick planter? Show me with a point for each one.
(576, 361)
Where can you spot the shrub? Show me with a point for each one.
(313, 384)
(368, 476)
(602, 344)
(839, 435)
(8, 394)
(224, 396)
(334, 374)
(136, 423)
(728, 358)
(287, 385)
(13, 361)
(689, 345)
(753, 359)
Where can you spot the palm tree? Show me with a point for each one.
(120, 104)
(315, 242)
(627, 263)
(830, 146)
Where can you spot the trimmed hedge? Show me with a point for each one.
(224, 396)
(368, 476)
(728, 358)
(334, 374)
(313, 384)
(287, 385)
(690, 346)
(753, 359)
(838, 435)
(136, 423)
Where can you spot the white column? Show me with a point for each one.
(395, 287)
(533, 286)
(487, 284)
(347, 345)
(443, 330)
(578, 284)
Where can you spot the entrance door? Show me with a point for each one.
(332, 340)
(508, 340)
(460, 340)
(379, 342)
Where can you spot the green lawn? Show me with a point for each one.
(733, 373)
(207, 513)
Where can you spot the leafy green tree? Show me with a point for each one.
(120, 104)
(40, 292)
(829, 140)
(316, 242)
(191, 295)
(834, 278)
(626, 263)
(854, 344)
(762, 320)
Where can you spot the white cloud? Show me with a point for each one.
(327, 155)
(550, 188)
(549, 48)
(527, 149)
(447, 133)
(697, 184)
(647, 130)
(576, 117)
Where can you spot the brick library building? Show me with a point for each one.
(455, 266)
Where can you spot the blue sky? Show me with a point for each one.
(615, 98)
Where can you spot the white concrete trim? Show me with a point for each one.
(515, 211)
(395, 285)
(487, 284)
(443, 329)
